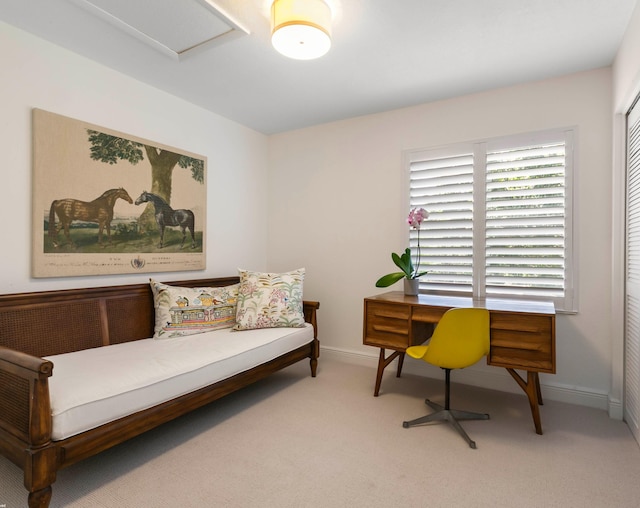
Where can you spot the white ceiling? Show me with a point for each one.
(386, 54)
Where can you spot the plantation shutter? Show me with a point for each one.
(443, 185)
(500, 221)
(525, 222)
(632, 297)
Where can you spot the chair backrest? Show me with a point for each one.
(460, 339)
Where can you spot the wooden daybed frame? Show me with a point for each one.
(34, 325)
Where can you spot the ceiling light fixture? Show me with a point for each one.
(301, 29)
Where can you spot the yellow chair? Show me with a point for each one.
(460, 339)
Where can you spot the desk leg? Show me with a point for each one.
(382, 363)
(532, 388)
(538, 391)
(400, 364)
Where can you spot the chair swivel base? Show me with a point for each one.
(450, 415)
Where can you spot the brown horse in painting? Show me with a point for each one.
(99, 210)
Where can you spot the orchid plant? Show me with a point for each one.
(404, 261)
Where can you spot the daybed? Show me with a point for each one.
(34, 327)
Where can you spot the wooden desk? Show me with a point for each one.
(522, 334)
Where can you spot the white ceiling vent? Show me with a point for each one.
(177, 28)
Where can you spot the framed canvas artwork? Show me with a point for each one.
(105, 202)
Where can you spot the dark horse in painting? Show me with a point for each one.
(167, 216)
(99, 210)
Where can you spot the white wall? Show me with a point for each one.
(37, 74)
(626, 67)
(338, 189)
(335, 192)
(626, 87)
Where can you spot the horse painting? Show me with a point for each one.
(100, 210)
(167, 216)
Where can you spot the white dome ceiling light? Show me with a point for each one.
(301, 29)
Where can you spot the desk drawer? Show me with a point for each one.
(387, 326)
(425, 314)
(522, 341)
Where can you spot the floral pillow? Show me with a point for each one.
(270, 300)
(186, 311)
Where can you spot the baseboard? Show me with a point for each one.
(616, 410)
(491, 378)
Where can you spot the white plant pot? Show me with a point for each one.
(411, 287)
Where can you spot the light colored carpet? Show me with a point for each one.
(295, 441)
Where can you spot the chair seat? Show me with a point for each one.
(417, 352)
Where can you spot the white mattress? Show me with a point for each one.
(95, 386)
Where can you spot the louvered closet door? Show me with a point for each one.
(632, 303)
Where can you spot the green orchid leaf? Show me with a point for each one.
(397, 260)
(403, 262)
(408, 263)
(387, 280)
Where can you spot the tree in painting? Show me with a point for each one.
(111, 149)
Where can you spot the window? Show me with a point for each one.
(500, 221)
